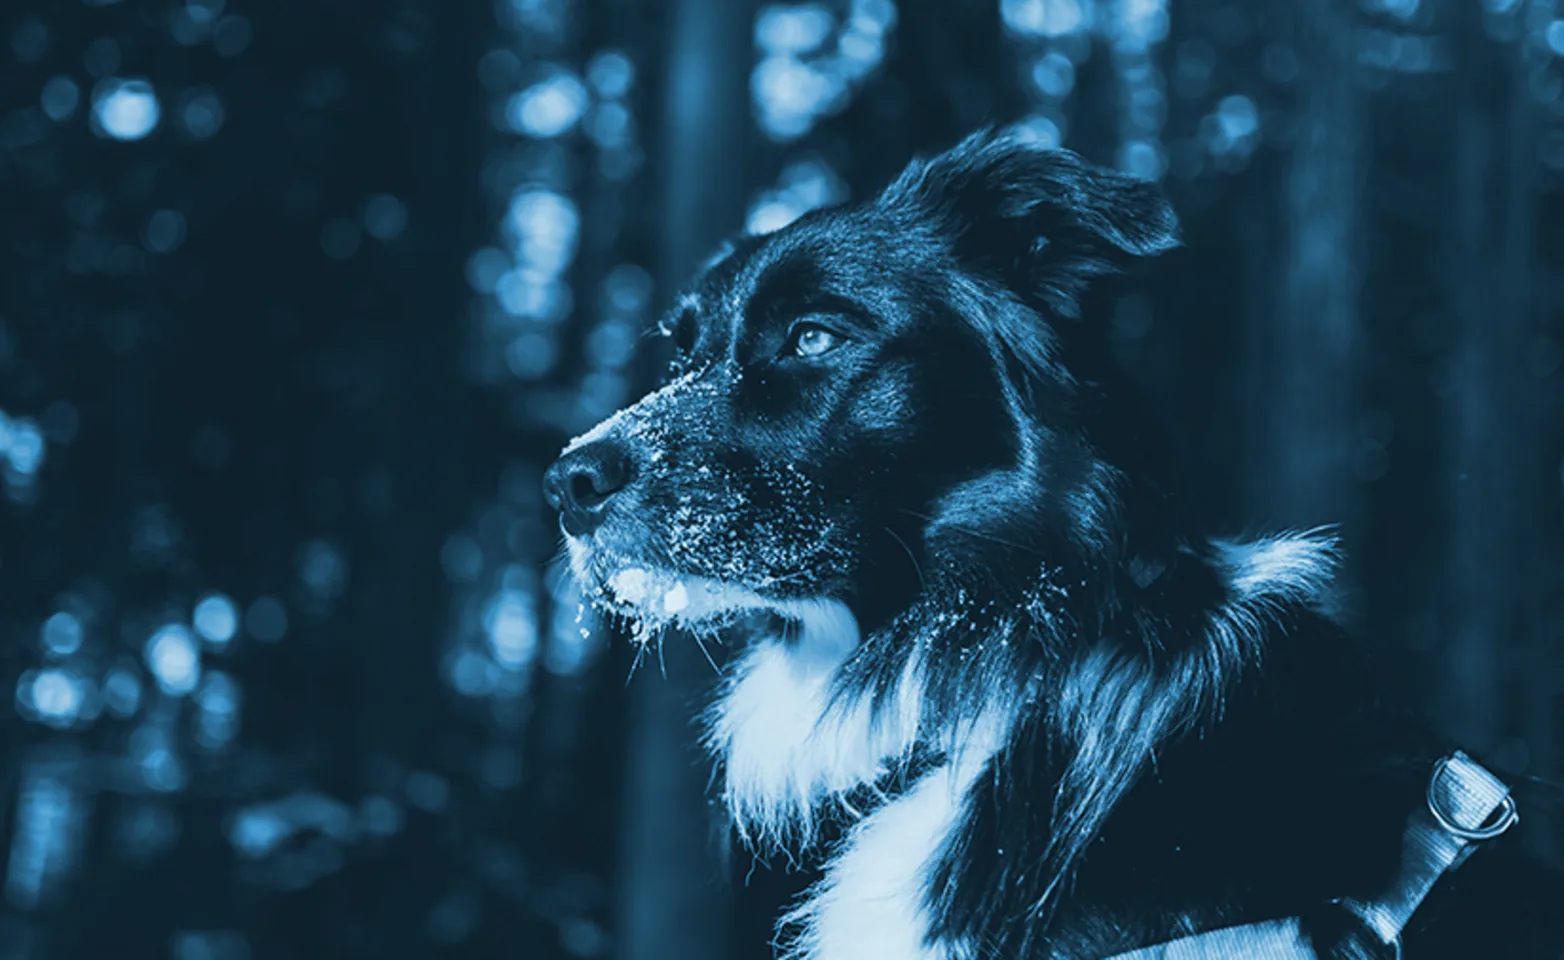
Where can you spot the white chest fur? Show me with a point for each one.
(789, 751)
(870, 906)
(786, 746)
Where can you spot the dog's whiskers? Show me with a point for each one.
(922, 583)
(697, 638)
(640, 653)
(561, 554)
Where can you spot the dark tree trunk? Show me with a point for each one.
(1501, 562)
(675, 897)
(1303, 343)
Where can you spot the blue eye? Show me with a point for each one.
(809, 340)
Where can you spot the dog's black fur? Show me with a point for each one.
(960, 465)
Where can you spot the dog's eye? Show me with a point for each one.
(810, 340)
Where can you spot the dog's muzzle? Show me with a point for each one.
(581, 483)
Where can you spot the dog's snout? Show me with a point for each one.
(580, 484)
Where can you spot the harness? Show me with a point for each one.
(1465, 806)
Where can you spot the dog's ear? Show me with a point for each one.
(1039, 217)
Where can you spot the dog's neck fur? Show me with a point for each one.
(1084, 705)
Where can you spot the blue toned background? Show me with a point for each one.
(299, 297)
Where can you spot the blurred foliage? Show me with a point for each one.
(299, 298)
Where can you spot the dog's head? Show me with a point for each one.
(874, 401)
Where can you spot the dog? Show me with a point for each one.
(984, 667)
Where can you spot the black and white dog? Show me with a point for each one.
(973, 630)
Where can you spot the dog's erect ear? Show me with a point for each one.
(1037, 216)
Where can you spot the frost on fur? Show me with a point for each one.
(715, 541)
(651, 601)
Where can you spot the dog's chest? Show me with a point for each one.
(787, 746)
(790, 750)
(872, 903)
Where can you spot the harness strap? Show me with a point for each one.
(1271, 940)
(1465, 805)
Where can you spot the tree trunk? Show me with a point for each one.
(1304, 342)
(1498, 555)
(675, 898)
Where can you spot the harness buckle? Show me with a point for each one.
(1498, 822)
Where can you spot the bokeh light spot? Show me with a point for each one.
(62, 634)
(165, 231)
(611, 74)
(512, 629)
(610, 126)
(793, 29)
(339, 238)
(60, 421)
(162, 771)
(385, 217)
(485, 267)
(202, 113)
(531, 355)
(1043, 18)
(22, 445)
(256, 832)
(323, 569)
(30, 41)
(379, 816)
(1054, 75)
(550, 107)
(427, 791)
(266, 620)
(1143, 159)
(60, 99)
(769, 216)
(231, 36)
(174, 659)
(216, 619)
(472, 674)
(57, 696)
(125, 109)
(628, 288)
(205, 11)
(500, 70)
(122, 693)
(545, 226)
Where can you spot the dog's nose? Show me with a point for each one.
(580, 484)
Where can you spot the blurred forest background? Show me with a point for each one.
(299, 297)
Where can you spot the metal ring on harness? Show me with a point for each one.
(1507, 813)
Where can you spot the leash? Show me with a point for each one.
(1465, 806)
